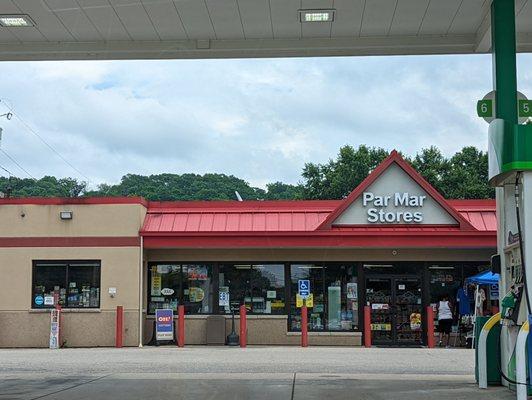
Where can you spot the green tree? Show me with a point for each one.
(337, 178)
(463, 176)
(467, 176)
(432, 165)
(283, 191)
(48, 186)
(165, 187)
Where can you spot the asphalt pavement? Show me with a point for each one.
(224, 373)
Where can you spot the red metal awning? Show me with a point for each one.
(294, 224)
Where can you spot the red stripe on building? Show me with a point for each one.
(86, 241)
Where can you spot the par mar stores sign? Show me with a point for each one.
(409, 207)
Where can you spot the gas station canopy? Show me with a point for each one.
(156, 29)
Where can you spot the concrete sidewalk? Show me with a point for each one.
(232, 373)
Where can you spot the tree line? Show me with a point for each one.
(461, 176)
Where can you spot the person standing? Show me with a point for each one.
(445, 320)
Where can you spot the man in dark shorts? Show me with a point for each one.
(445, 320)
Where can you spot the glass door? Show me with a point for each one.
(379, 297)
(395, 303)
(407, 311)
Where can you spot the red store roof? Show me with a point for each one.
(309, 223)
(282, 216)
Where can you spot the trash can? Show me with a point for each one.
(215, 330)
(492, 352)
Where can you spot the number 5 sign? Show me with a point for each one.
(486, 107)
(525, 108)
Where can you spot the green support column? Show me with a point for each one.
(510, 144)
(504, 63)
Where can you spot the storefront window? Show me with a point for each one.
(334, 291)
(197, 289)
(173, 284)
(259, 286)
(444, 280)
(74, 284)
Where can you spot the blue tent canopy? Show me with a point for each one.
(484, 278)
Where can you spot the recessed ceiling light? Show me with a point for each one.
(15, 21)
(316, 15)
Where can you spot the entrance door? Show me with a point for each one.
(395, 303)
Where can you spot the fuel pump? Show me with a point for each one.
(511, 311)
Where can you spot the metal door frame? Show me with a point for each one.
(393, 278)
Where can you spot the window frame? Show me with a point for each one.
(355, 268)
(285, 290)
(215, 285)
(66, 264)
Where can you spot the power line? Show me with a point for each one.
(32, 131)
(5, 169)
(17, 164)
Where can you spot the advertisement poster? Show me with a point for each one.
(223, 299)
(494, 291)
(299, 301)
(309, 301)
(196, 294)
(164, 325)
(415, 321)
(197, 273)
(352, 290)
(381, 327)
(54, 329)
(156, 285)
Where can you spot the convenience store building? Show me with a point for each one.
(394, 243)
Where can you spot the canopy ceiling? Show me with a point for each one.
(140, 29)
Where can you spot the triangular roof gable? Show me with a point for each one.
(396, 158)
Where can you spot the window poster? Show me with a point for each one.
(197, 272)
(299, 301)
(155, 284)
(164, 269)
(352, 290)
(196, 294)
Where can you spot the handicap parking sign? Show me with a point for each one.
(303, 288)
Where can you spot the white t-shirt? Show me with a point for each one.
(444, 310)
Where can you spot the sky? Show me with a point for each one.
(257, 119)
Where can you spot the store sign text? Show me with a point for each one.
(377, 213)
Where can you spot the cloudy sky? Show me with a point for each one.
(260, 120)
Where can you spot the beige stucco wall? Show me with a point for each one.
(22, 327)
(88, 220)
(119, 268)
(262, 330)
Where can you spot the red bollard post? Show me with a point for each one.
(430, 327)
(367, 326)
(181, 326)
(243, 326)
(119, 333)
(304, 326)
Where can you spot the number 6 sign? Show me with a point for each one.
(486, 107)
